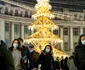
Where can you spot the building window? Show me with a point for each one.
(55, 32)
(75, 31)
(16, 12)
(84, 16)
(65, 31)
(26, 13)
(66, 47)
(6, 11)
(35, 30)
(0, 10)
(75, 15)
(21, 14)
(11, 12)
(83, 30)
(7, 27)
(80, 16)
(16, 28)
(25, 29)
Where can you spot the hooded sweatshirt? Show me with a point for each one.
(6, 59)
(79, 55)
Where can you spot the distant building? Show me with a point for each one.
(15, 17)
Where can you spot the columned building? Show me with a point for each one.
(15, 18)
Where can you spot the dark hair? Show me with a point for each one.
(11, 48)
(48, 46)
(30, 45)
(20, 39)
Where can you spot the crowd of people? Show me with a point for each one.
(21, 57)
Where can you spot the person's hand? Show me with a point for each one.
(34, 69)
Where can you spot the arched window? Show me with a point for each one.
(20, 13)
(26, 13)
(16, 12)
(84, 16)
(6, 11)
(11, 12)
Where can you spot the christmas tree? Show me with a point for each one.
(44, 27)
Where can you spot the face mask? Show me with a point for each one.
(31, 50)
(47, 50)
(15, 45)
(83, 42)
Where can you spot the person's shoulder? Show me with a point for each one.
(24, 47)
(10, 48)
(7, 52)
(77, 47)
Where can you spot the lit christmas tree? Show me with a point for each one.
(43, 36)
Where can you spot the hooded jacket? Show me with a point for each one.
(6, 59)
(79, 55)
(46, 60)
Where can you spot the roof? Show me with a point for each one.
(73, 5)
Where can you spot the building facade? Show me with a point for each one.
(15, 18)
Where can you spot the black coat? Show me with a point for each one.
(46, 61)
(57, 65)
(26, 55)
(79, 56)
(6, 58)
(25, 52)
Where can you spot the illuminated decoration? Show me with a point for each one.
(42, 9)
(43, 3)
(43, 12)
(43, 22)
(39, 47)
(43, 36)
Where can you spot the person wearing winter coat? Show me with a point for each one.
(57, 64)
(71, 63)
(27, 61)
(21, 55)
(65, 64)
(46, 59)
(6, 58)
(79, 53)
(35, 55)
(62, 63)
(16, 54)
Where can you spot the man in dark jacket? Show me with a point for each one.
(35, 55)
(27, 61)
(79, 53)
(6, 59)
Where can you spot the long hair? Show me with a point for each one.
(11, 48)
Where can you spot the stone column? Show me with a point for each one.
(23, 13)
(3, 10)
(2, 29)
(22, 31)
(12, 31)
(81, 30)
(52, 30)
(71, 39)
(61, 36)
(13, 11)
(32, 30)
